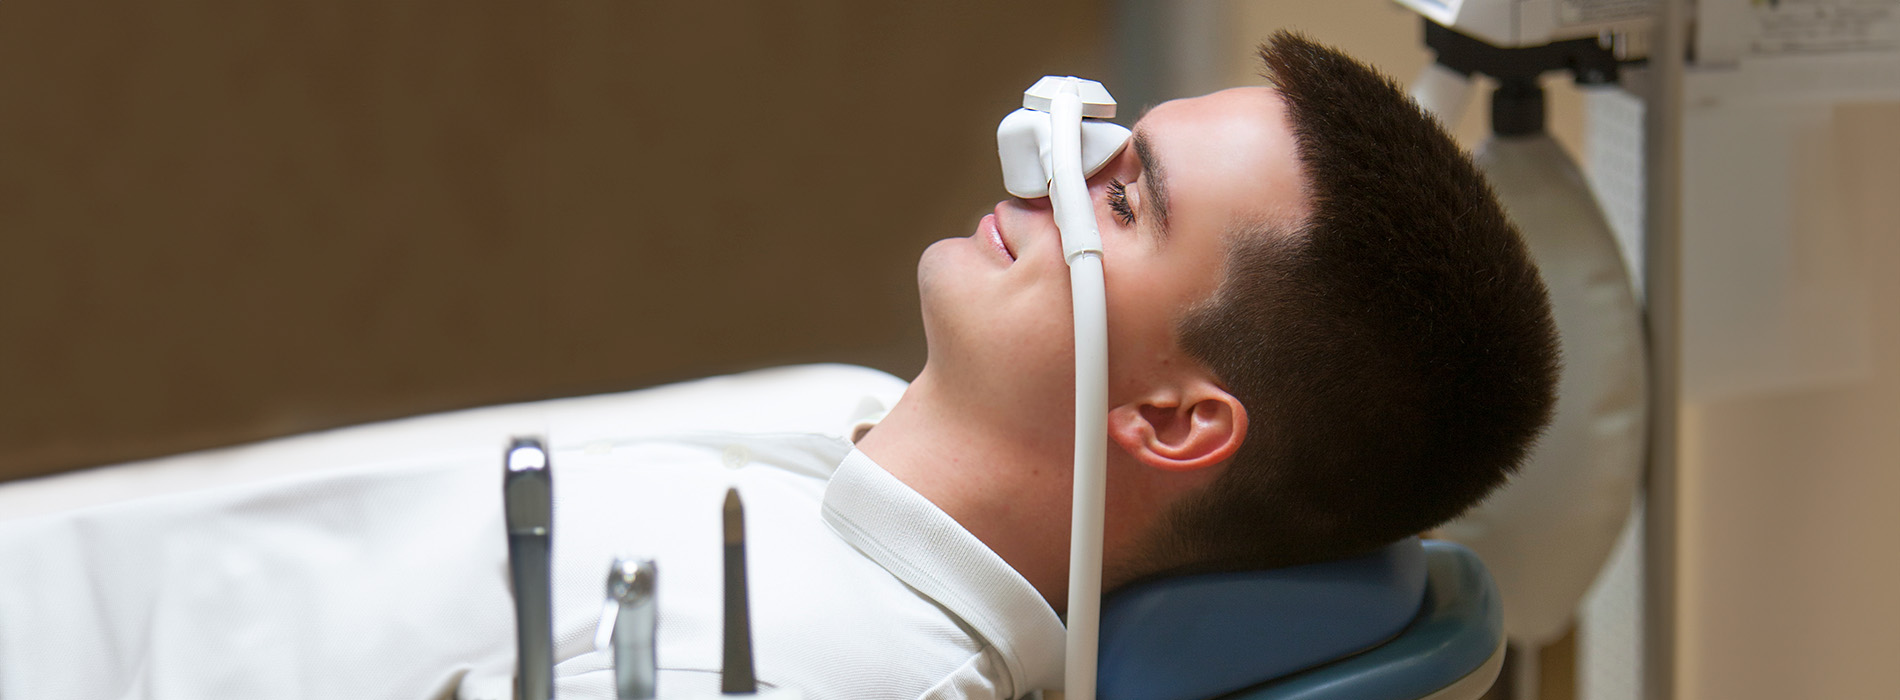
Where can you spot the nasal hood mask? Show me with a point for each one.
(1023, 139)
(1049, 148)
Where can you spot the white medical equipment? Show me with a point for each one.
(1025, 139)
(1519, 23)
(1549, 532)
(1046, 149)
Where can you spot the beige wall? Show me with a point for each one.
(228, 220)
(1788, 561)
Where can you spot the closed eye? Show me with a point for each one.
(1118, 202)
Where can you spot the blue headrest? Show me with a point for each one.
(1196, 637)
(1459, 627)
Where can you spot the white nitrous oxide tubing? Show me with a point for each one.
(1082, 247)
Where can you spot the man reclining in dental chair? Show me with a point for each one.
(1324, 337)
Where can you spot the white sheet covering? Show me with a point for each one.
(370, 562)
(803, 398)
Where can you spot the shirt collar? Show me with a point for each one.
(926, 549)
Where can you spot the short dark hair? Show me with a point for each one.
(1395, 350)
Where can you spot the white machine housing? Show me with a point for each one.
(1514, 23)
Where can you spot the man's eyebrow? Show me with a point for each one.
(1154, 180)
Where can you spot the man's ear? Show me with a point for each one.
(1180, 428)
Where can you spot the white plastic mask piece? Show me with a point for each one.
(1096, 102)
(1022, 143)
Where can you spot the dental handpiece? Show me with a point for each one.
(528, 497)
(632, 587)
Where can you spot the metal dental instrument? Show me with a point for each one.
(628, 626)
(736, 672)
(527, 491)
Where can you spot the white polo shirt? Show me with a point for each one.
(390, 581)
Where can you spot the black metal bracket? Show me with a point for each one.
(1517, 108)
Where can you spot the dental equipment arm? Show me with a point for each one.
(528, 501)
(1062, 147)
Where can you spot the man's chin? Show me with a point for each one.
(927, 265)
(938, 275)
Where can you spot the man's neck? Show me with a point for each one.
(1007, 485)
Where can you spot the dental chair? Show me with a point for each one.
(1412, 620)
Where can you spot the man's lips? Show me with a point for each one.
(991, 228)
